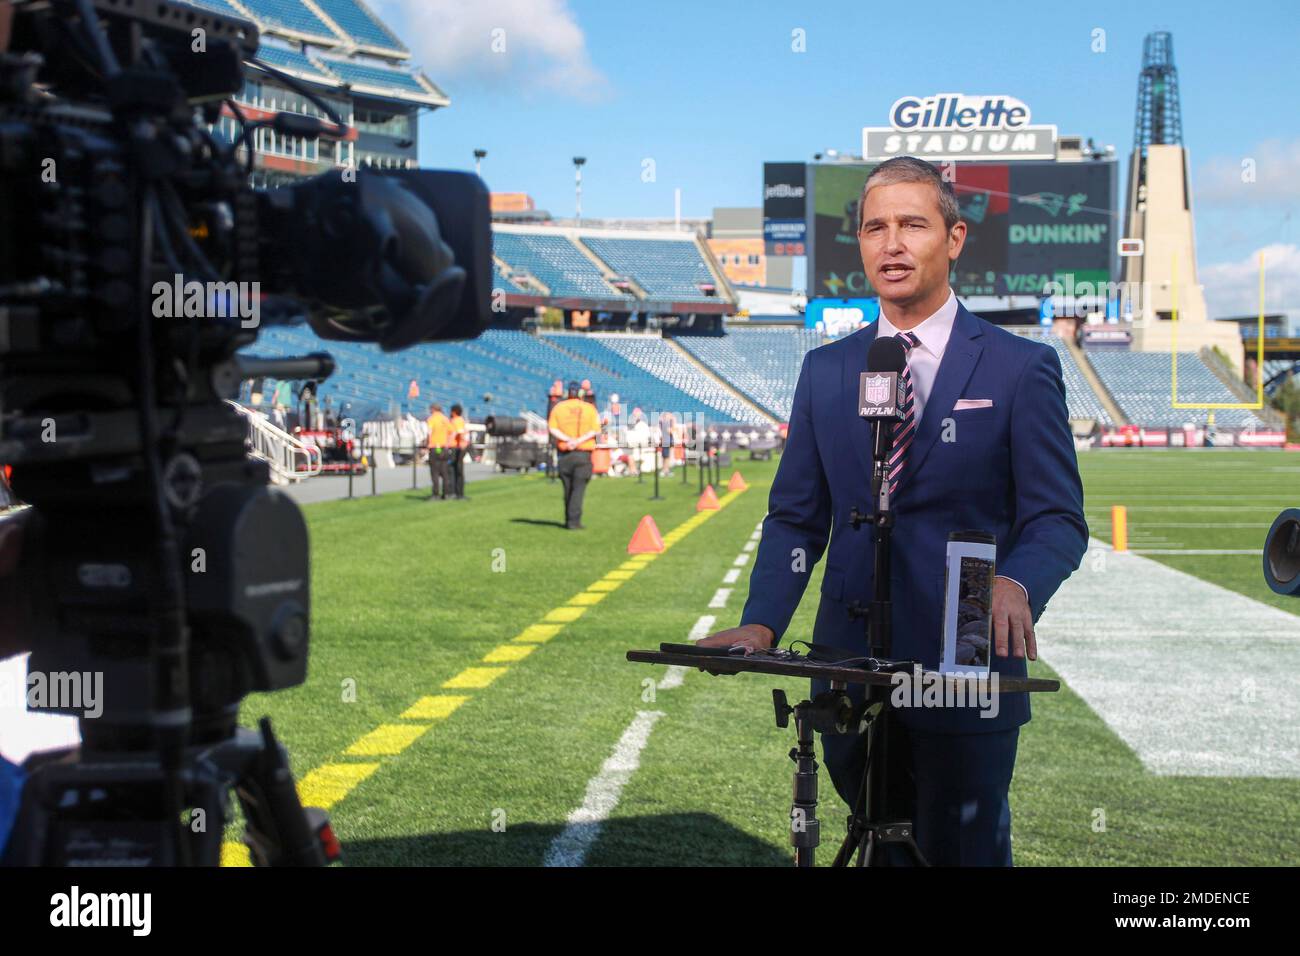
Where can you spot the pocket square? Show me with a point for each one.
(963, 403)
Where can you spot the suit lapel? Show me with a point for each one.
(959, 359)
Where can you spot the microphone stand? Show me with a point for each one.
(871, 824)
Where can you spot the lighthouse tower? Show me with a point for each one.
(1159, 213)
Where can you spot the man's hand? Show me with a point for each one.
(754, 637)
(1012, 620)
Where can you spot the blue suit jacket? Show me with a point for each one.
(1011, 470)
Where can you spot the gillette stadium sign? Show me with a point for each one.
(955, 126)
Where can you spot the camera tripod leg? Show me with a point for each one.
(280, 831)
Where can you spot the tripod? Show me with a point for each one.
(95, 808)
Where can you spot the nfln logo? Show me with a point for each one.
(878, 395)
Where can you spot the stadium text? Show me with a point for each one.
(958, 111)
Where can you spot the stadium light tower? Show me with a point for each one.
(478, 161)
(578, 162)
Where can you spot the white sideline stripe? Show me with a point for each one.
(701, 628)
(750, 545)
(1100, 513)
(741, 559)
(676, 673)
(756, 536)
(720, 597)
(570, 848)
(672, 678)
(759, 527)
(1164, 657)
(1197, 551)
(1204, 524)
(731, 576)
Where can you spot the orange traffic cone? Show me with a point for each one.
(708, 501)
(646, 539)
(736, 483)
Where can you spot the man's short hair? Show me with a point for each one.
(457, 410)
(435, 407)
(909, 169)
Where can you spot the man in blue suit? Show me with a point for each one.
(985, 445)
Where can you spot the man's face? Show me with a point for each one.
(906, 249)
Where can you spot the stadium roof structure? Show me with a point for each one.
(336, 43)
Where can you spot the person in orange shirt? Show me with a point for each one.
(459, 449)
(439, 451)
(574, 425)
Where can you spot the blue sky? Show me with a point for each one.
(709, 91)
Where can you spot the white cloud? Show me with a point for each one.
(1274, 164)
(528, 46)
(1232, 288)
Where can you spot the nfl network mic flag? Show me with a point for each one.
(878, 395)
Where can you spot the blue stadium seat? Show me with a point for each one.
(1080, 400)
(1140, 383)
(354, 18)
(515, 368)
(762, 364)
(665, 268)
(291, 14)
(292, 60)
(556, 262)
(371, 74)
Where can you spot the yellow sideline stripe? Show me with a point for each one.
(386, 740)
(330, 783)
(433, 707)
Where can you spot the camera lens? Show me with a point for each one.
(1282, 553)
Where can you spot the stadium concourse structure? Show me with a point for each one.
(349, 58)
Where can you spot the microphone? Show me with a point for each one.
(880, 392)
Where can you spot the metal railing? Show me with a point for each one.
(290, 458)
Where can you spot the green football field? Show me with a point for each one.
(469, 702)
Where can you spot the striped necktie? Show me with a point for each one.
(905, 427)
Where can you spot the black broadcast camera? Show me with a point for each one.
(135, 261)
(1282, 554)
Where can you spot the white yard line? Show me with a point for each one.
(676, 673)
(570, 848)
(1196, 550)
(1197, 679)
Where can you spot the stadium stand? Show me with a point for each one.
(1080, 400)
(356, 19)
(292, 15)
(1275, 366)
(659, 358)
(294, 61)
(220, 6)
(762, 364)
(515, 368)
(664, 268)
(1140, 383)
(372, 75)
(499, 281)
(554, 261)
